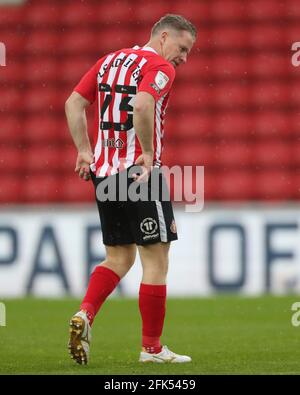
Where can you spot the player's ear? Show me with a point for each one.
(163, 37)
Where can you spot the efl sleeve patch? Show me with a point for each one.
(161, 80)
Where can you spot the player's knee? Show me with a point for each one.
(156, 267)
(124, 262)
(154, 276)
(120, 268)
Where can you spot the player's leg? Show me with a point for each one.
(103, 281)
(153, 226)
(120, 256)
(152, 303)
(152, 294)
(155, 261)
(106, 277)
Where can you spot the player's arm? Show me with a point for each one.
(143, 123)
(75, 112)
(83, 95)
(155, 84)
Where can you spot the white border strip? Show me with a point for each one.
(162, 223)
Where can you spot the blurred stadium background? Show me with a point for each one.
(234, 108)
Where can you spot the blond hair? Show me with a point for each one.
(176, 22)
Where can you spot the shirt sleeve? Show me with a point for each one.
(87, 86)
(158, 81)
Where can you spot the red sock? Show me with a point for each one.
(152, 303)
(102, 282)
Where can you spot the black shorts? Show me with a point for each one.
(140, 222)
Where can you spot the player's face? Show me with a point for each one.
(176, 46)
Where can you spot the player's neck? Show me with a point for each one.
(154, 46)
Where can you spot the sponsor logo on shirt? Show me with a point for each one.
(113, 143)
(161, 80)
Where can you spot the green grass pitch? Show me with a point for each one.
(224, 335)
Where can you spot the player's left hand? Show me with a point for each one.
(83, 162)
(146, 163)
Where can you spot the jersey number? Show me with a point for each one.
(124, 106)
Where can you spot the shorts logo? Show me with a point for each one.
(149, 226)
(161, 80)
(173, 227)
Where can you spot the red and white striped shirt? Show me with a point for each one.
(113, 83)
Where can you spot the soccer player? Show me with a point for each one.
(131, 89)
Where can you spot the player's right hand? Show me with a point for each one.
(83, 162)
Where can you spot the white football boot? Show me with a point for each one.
(165, 356)
(80, 337)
